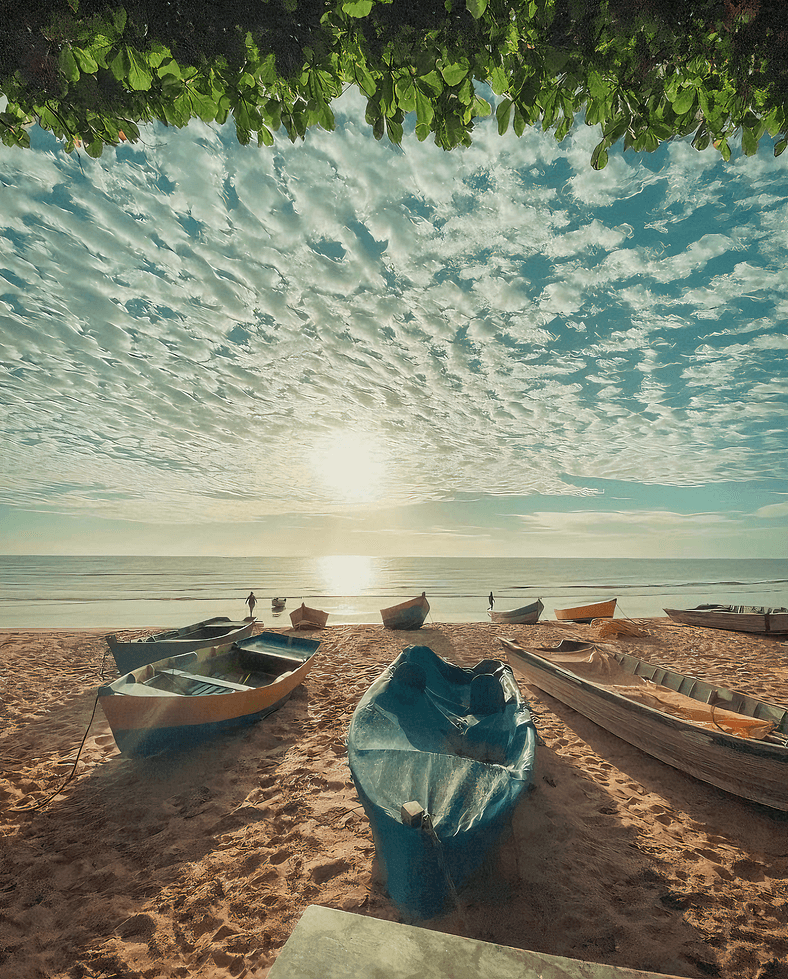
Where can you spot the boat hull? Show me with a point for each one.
(763, 622)
(407, 615)
(753, 770)
(308, 618)
(527, 615)
(145, 719)
(219, 631)
(466, 764)
(586, 613)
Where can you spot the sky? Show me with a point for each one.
(340, 346)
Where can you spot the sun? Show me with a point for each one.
(352, 467)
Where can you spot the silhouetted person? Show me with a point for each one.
(251, 601)
(492, 600)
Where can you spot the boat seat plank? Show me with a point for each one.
(143, 690)
(209, 680)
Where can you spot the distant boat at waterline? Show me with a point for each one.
(308, 618)
(406, 615)
(586, 613)
(527, 615)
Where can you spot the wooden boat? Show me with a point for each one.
(734, 618)
(219, 631)
(308, 618)
(407, 615)
(440, 756)
(277, 604)
(720, 736)
(585, 613)
(180, 700)
(527, 615)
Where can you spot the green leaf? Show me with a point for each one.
(684, 101)
(406, 93)
(780, 146)
(502, 114)
(85, 60)
(599, 156)
(424, 109)
(476, 8)
(430, 83)
(140, 75)
(749, 141)
(95, 147)
(68, 64)
(265, 137)
(481, 107)
(357, 8)
(119, 66)
(394, 130)
(454, 74)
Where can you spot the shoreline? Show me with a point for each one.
(201, 864)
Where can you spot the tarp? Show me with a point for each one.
(461, 743)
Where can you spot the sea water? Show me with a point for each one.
(140, 592)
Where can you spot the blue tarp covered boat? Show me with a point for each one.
(440, 757)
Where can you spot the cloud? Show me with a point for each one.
(185, 321)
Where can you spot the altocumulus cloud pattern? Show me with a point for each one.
(190, 327)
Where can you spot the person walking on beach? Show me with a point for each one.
(251, 601)
(492, 600)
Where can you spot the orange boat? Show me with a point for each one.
(585, 613)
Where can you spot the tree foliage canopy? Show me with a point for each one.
(646, 70)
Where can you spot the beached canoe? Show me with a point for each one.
(440, 756)
(734, 618)
(181, 700)
(717, 735)
(219, 631)
(586, 613)
(308, 618)
(407, 615)
(527, 615)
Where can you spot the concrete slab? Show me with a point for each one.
(330, 944)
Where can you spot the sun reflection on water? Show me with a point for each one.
(346, 574)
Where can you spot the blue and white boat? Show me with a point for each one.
(440, 756)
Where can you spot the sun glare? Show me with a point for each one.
(352, 468)
(346, 574)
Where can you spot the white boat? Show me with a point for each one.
(720, 736)
(733, 618)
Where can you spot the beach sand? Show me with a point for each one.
(201, 864)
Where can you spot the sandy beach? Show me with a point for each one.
(201, 864)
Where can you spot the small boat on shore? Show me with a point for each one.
(179, 701)
(440, 756)
(719, 736)
(308, 618)
(219, 631)
(406, 615)
(586, 613)
(277, 604)
(756, 619)
(527, 615)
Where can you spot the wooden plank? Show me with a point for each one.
(331, 944)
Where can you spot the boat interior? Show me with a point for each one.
(709, 705)
(234, 671)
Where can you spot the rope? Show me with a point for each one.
(429, 829)
(70, 776)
